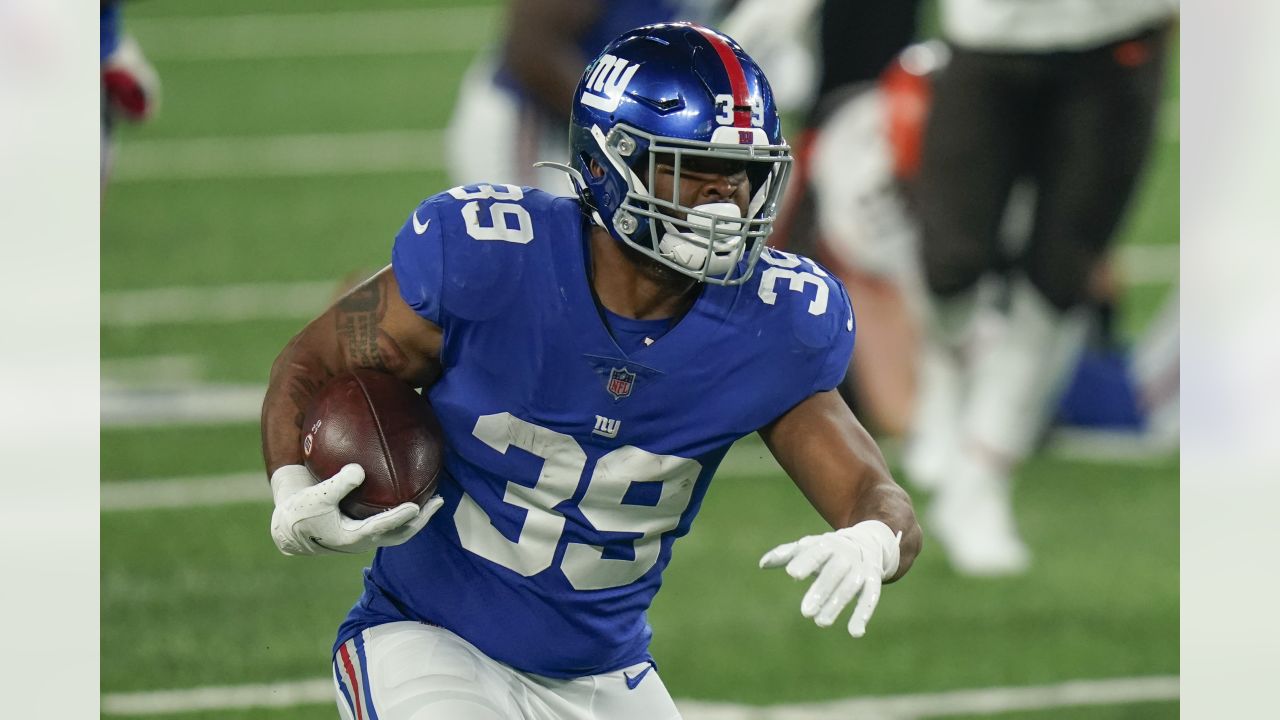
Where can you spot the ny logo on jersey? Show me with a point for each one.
(606, 427)
(610, 78)
(620, 383)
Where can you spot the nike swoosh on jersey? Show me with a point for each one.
(632, 682)
(419, 227)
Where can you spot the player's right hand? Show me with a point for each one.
(307, 521)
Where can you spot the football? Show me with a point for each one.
(374, 419)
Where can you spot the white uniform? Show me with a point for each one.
(413, 671)
(1048, 25)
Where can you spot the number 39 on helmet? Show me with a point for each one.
(677, 94)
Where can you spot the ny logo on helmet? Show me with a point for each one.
(620, 382)
(609, 78)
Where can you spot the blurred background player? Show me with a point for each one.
(512, 107)
(845, 203)
(1060, 96)
(130, 86)
(853, 205)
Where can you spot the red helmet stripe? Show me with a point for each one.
(737, 79)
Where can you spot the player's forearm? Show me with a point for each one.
(296, 376)
(869, 492)
(884, 500)
(838, 466)
(876, 496)
(350, 335)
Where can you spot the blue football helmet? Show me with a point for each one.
(674, 94)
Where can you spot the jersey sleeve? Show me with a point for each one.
(836, 362)
(462, 255)
(417, 259)
(802, 329)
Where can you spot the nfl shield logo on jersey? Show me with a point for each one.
(620, 383)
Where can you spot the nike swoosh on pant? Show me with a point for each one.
(632, 682)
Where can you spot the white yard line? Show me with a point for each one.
(218, 697)
(1149, 264)
(1141, 265)
(216, 303)
(308, 155)
(980, 701)
(186, 492)
(316, 35)
(1103, 446)
(132, 406)
(747, 459)
(152, 369)
(1076, 693)
(304, 155)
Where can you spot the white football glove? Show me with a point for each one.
(307, 520)
(853, 561)
(130, 83)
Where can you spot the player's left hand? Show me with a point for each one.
(853, 561)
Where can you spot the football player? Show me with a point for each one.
(130, 85)
(591, 360)
(1060, 96)
(512, 107)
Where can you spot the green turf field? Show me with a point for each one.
(198, 596)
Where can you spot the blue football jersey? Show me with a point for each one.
(108, 29)
(571, 464)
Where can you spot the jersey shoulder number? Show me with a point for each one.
(803, 301)
(461, 253)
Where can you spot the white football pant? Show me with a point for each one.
(412, 671)
(1013, 379)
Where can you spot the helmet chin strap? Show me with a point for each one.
(690, 249)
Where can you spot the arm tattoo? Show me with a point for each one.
(365, 344)
(358, 316)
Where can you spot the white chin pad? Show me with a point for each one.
(689, 249)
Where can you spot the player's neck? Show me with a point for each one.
(632, 285)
